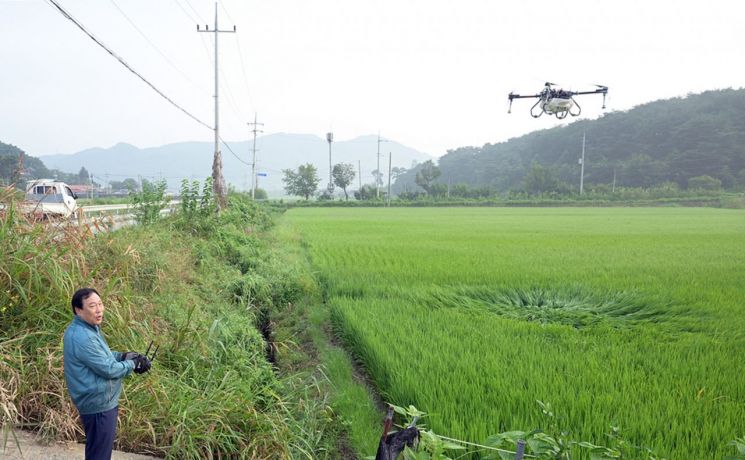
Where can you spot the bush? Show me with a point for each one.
(149, 202)
(704, 183)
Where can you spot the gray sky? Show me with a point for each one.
(431, 74)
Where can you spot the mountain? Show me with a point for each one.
(275, 152)
(671, 140)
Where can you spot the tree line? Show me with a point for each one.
(690, 142)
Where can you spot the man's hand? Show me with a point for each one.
(128, 355)
(142, 364)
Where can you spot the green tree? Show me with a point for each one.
(366, 192)
(427, 175)
(704, 182)
(343, 175)
(131, 184)
(83, 176)
(378, 176)
(16, 166)
(303, 182)
(397, 171)
(541, 180)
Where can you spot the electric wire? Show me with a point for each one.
(231, 151)
(243, 65)
(123, 62)
(482, 446)
(231, 98)
(196, 13)
(191, 18)
(142, 34)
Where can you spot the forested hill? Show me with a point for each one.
(669, 140)
(11, 163)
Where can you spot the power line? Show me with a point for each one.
(155, 47)
(201, 21)
(234, 154)
(118, 58)
(240, 55)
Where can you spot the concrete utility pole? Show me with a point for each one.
(389, 178)
(582, 168)
(253, 163)
(377, 181)
(359, 173)
(218, 182)
(330, 139)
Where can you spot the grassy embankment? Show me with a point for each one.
(202, 287)
(618, 317)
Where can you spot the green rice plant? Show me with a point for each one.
(619, 317)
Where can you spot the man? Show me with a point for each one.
(94, 373)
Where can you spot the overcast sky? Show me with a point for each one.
(431, 74)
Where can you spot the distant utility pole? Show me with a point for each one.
(218, 183)
(389, 179)
(582, 168)
(330, 139)
(359, 172)
(613, 190)
(253, 163)
(377, 181)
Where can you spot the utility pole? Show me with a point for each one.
(613, 189)
(582, 168)
(253, 163)
(330, 139)
(218, 182)
(389, 179)
(377, 178)
(359, 173)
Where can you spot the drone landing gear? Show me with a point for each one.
(540, 102)
(579, 109)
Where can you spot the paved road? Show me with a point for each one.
(33, 449)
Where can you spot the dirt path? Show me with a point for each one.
(31, 448)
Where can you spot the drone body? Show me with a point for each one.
(557, 102)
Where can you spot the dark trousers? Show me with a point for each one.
(100, 429)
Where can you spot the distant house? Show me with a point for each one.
(83, 190)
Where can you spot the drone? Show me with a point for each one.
(559, 102)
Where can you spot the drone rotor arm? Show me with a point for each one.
(518, 96)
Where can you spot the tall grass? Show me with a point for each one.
(211, 392)
(618, 317)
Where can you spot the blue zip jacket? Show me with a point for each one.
(92, 371)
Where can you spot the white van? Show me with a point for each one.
(49, 197)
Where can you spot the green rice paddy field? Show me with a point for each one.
(627, 317)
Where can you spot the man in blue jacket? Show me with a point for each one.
(94, 373)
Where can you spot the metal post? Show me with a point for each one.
(520, 453)
(582, 168)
